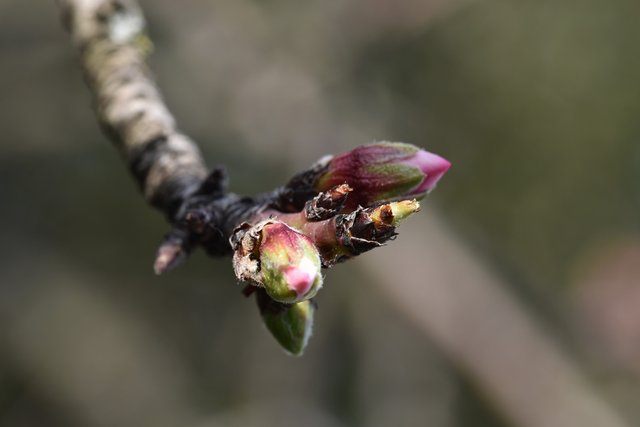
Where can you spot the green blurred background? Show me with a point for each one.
(513, 298)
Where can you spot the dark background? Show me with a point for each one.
(511, 299)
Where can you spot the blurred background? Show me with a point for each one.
(512, 299)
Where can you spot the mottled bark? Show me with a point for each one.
(167, 165)
(110, 37)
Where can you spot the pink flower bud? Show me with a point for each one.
(384, 171)
(278, 258)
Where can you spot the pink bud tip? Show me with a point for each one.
(300, 278)
(432, 165)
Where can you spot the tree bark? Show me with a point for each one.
(110, 37)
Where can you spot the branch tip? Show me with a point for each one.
(173, 251)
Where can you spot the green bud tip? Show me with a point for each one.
(395, 212)
(291, 325)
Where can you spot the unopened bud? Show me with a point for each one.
(384, 171)
(278, 258)
(366, 228)
(393, 213)
(290, 324)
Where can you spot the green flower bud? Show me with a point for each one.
(393, 213)
(279, 259)
(291, 325)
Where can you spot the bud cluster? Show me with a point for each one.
(339, 208)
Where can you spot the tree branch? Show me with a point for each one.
(110, 37)
(168, 166)
(339, 208)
